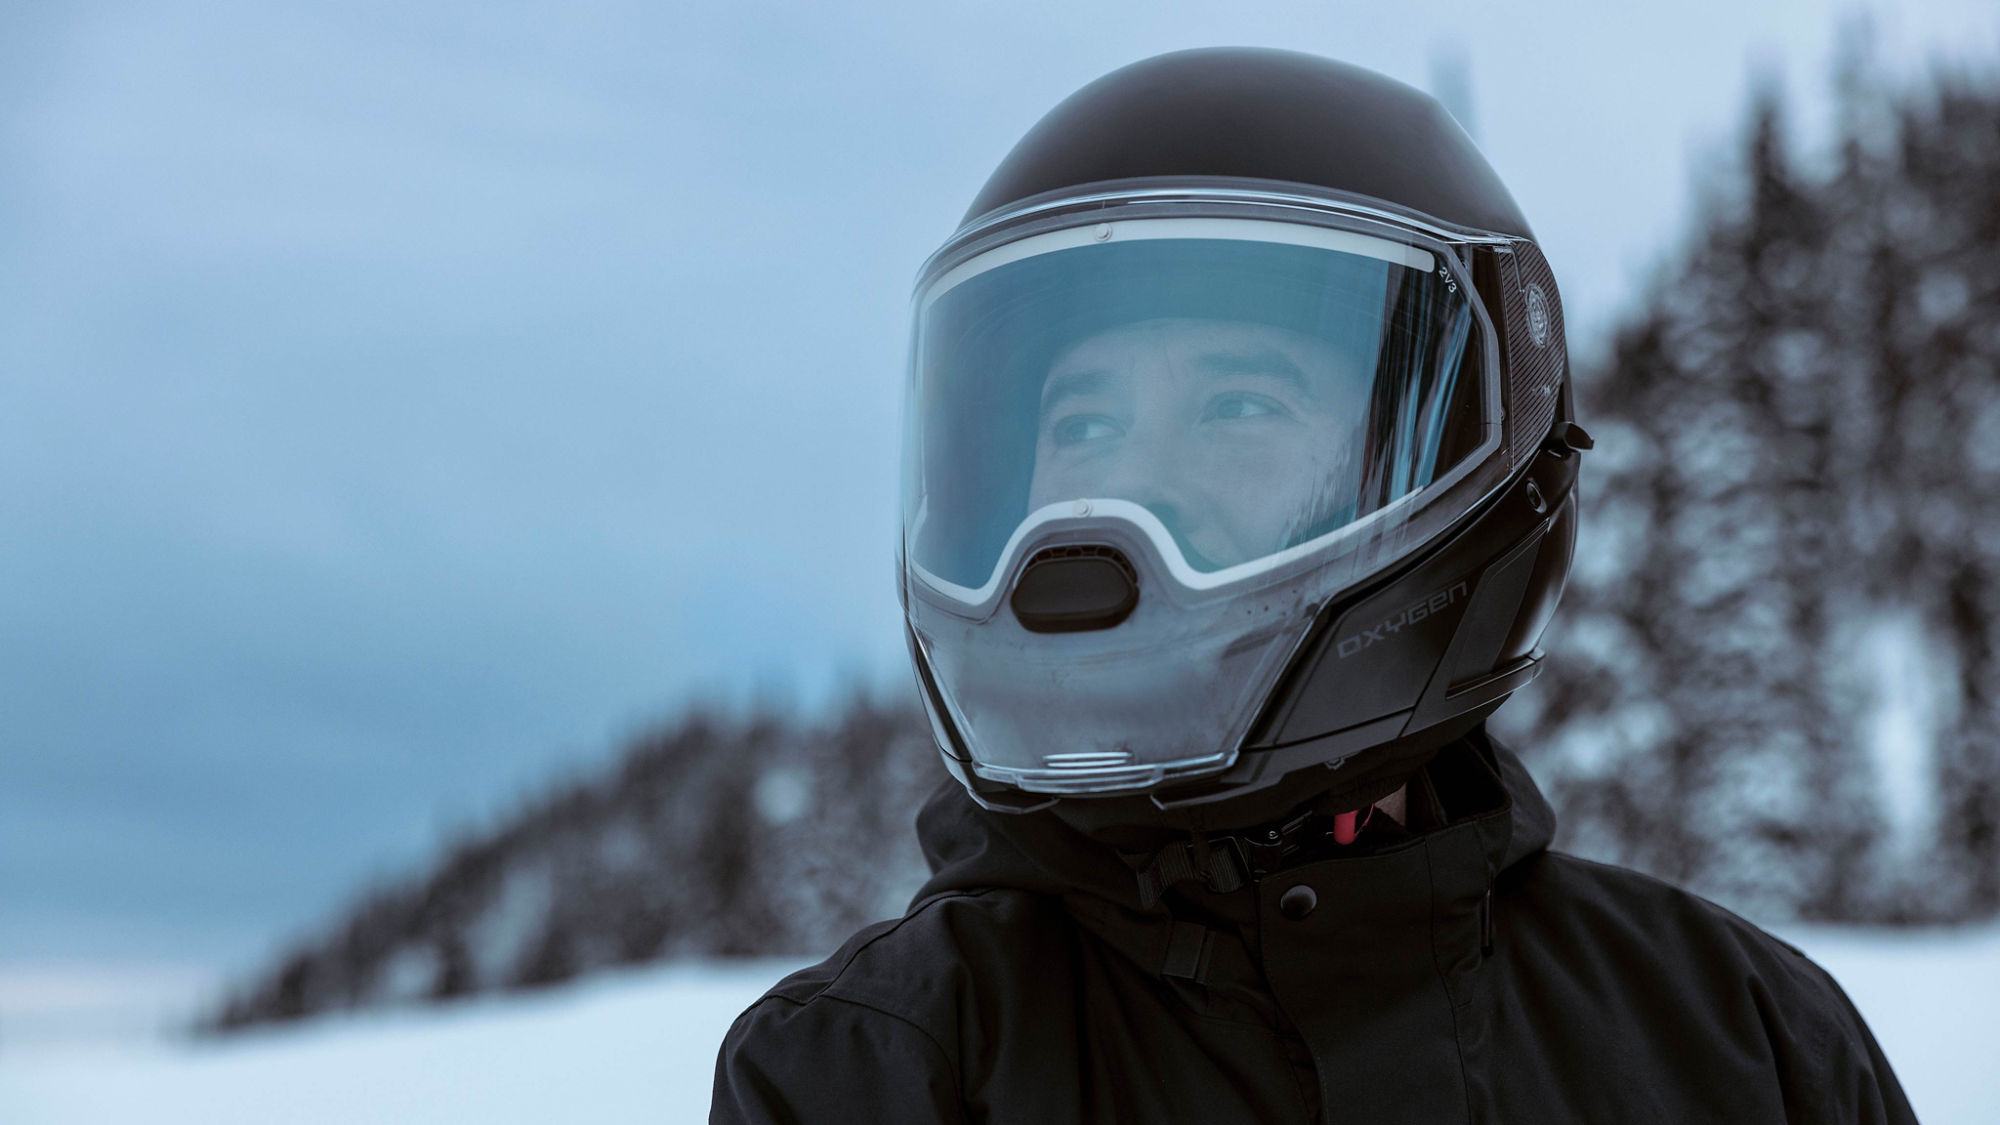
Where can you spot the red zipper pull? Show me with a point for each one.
(1345, 829)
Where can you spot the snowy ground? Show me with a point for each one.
(640, 1047)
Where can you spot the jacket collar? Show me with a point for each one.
(1494, 817)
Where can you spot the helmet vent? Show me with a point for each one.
(1075, 589)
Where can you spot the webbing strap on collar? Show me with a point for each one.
(1218, 865)
(1186, 952)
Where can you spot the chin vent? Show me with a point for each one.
(1075, 589)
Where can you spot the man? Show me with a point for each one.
(1239, 489)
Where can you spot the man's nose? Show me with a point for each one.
(1150, 473)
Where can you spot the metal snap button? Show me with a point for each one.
(1297, 902)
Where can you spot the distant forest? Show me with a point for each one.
(1794, 501)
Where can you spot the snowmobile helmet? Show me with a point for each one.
(1238, 454)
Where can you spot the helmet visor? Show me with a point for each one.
(1260, 390)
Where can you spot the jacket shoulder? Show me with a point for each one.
(1619, 933)
(830, 1061)
(927, 966)
(1623, 902)
(886, 1011)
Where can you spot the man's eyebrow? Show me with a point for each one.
(1065, 384)
(1266, 362)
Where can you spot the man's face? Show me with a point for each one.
(1232, 433)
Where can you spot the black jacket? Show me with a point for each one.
(1457, 971)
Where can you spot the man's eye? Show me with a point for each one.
(1241, 404)
(1079, 428)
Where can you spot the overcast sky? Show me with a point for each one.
(402, 403)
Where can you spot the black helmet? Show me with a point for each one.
(1239, 460)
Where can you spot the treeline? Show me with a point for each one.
(1794, 500)
(1796, 503)
(714, 837)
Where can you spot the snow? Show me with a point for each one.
(1929, 999)
(636, 1046)
(640, 1046)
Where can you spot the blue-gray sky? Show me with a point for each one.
(402, 403)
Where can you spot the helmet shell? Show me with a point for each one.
(1420, 654)
(1263, 114)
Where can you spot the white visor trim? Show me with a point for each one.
(1238, 230)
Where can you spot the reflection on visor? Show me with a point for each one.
(1254, 385)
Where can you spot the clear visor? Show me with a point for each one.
(1252, 390)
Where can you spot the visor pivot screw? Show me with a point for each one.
(1080, 509)
(1102, 233)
